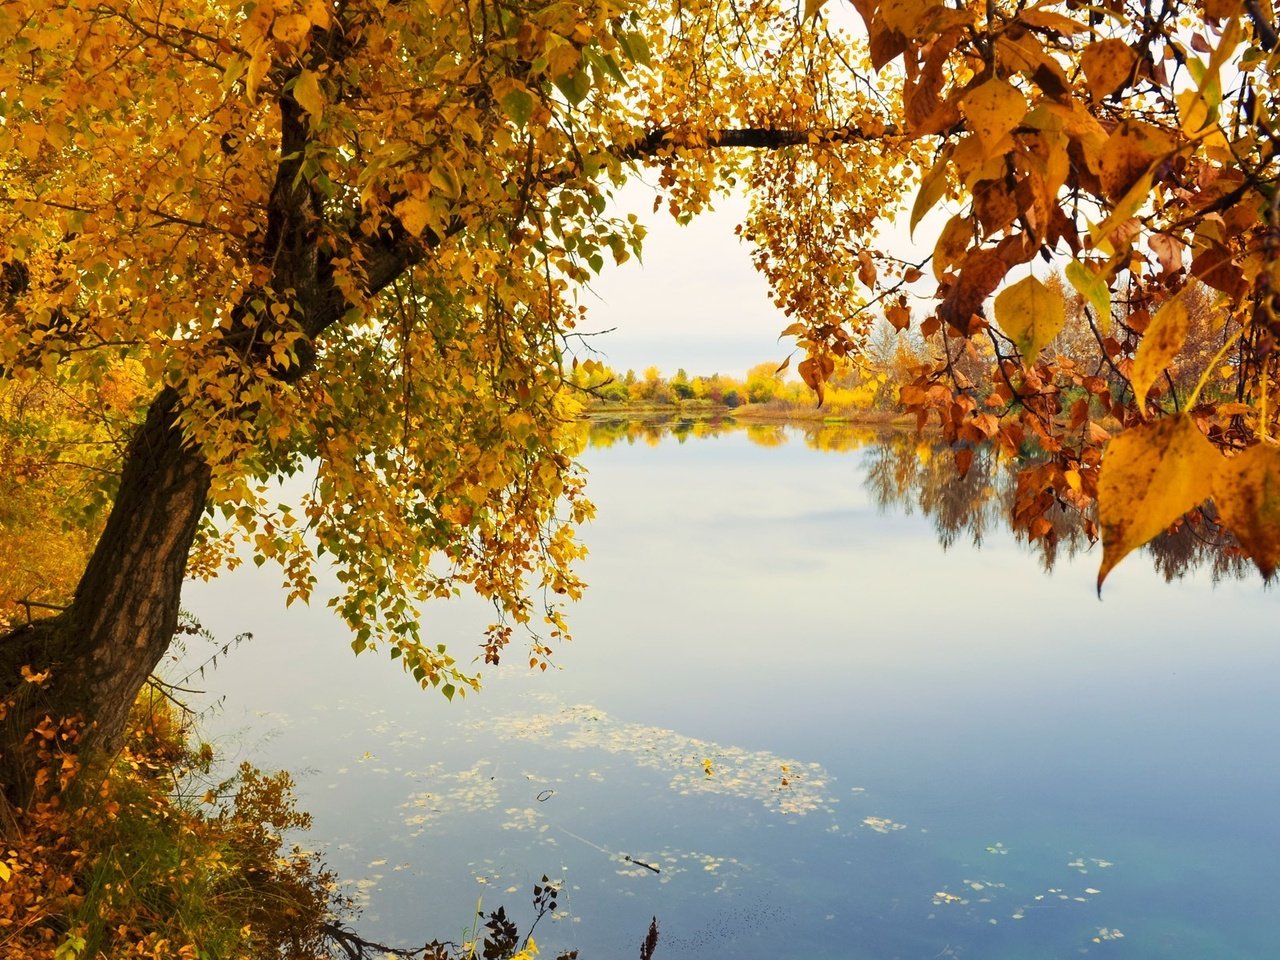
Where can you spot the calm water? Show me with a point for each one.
(914, 752)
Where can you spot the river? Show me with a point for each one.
(819, 686)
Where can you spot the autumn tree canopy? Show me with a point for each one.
(348, 238)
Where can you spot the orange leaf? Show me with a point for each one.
(1107, 64)
(1246, 491)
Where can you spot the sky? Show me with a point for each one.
(695, 302)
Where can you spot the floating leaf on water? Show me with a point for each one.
(883, 824)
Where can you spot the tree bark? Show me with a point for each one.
(101, 650)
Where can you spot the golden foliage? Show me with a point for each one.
(132, 857)
(1135, 148)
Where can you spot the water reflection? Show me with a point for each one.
(911, 473)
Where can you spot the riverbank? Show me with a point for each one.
(750, 412)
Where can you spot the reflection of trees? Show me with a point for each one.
(910, 473)
(913, 473)
(918, 473)
(605, 432)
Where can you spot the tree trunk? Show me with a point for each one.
(104, 646)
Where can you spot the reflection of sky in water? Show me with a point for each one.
(983, 761)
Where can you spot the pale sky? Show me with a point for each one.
(695, 302)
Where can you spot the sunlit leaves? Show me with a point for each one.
(1093, 288)
(1151, 475)
(306, 90)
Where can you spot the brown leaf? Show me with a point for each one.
(1128, 153)
(866, 269)
(1053, 23)
(1151, 475)
(1215, 267)
(899, 316)
(1246, 491)
(994, 206)
(1168, 251)
(981, 272)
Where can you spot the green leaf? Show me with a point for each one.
(637, 47)
(1094, 289)
(575, 86)
(519, 106)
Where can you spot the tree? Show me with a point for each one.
(1134, 144)
(346, 239)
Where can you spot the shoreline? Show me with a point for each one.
(758, 413)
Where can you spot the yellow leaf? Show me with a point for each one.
(306, 90)
(317, 12)
(5, 872)
(811, 8)
(1129, 205)
(291, 29)
(993, 109)
(932, 186)
(414, 214)
(1031, 315)
(1246, 490)
(1151, 475)
(1161, 342)
(259, 64)
(1107, 65)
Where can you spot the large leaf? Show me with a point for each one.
(306, 90)
(1108, 65)
(993, 109)
(1031, 315)
(1161, 342)
(1151, 475)
(1246, 490)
